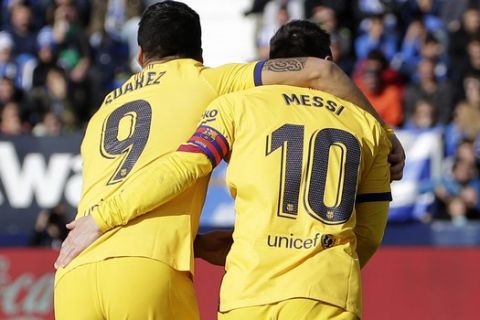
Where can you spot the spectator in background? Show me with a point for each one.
(423, 117)
(471, 90)
(39, 8)
(74, 56)
(385, 96)
(440, 93)
(435, 51)
(343, 59)
(8, 67)
(451, 13)
(466, 122)
(376, 39)
(343, 11)
(465, 126)
(326, 18)
(457, 195)
(50, 227)
(10, 121)
(8, 91)
(407, 59)
(111, 60)
(24, 39)
(73, 47)
(53, 97)
(21, 30)
(428, 11)
(50, 126)
(466, 152)
(340, 7)
(46, 57)
(470, 65)
(366, 8)
(459, 39)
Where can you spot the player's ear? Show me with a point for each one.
(140, 58)
(329, 58)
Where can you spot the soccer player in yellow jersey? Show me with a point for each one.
(310, 178)
(145, 118)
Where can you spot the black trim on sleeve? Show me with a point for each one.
(374, 197)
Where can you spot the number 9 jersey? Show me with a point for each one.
(148, 116)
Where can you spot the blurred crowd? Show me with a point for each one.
(58, 59)
(417, 61)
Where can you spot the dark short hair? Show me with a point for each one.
(378, 55)
(300, 38)
(170, 28)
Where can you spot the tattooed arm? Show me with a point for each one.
(325, 75)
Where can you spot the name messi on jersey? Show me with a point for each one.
(140, 80)
(312, 101)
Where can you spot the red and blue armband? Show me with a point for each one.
(208, 141)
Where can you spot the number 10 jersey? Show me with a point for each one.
(311, 182)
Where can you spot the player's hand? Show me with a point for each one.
(396, 159)
(83, 232)
(213, 247)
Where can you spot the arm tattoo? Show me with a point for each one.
(285, 65)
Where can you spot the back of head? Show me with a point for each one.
(170, 28)
(300, 38)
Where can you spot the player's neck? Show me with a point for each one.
(161, 60)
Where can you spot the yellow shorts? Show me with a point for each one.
(125, 288)
(298, 309)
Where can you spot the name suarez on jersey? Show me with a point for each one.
(140, 80)
(312, 101)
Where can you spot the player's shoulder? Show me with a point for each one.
(353, 116)
(263, 92)
(227, 67)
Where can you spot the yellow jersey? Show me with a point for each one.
(311, 182)
(150, 115)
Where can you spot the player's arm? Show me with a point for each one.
(372, 203)
(370, 234)
(150, 188)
